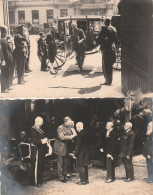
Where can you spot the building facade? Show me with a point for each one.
(97, 7)
(40, 11)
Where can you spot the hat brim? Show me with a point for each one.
(20, 26)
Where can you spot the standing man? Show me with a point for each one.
(20, 52)
(106, 39)
(81, 154)
(111, 142)
(42, 51)
(7, 61)
(27, 67)
(148, 152)
(126, 151)
(38, 147)
(78, 45)
(64, 134)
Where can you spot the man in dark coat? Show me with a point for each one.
(38, 147)
(7, 61)
(126, 151)
(78, 45)
(42, 51)
(64, 134)
(148, 152)
(81, 154)
(21, 52)
(111, 141)
(106, 39)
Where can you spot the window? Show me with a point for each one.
(12, 17)
(63, 12)
(35, 17)
(50, 16)
(21, 17)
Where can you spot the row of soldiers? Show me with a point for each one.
(14, 58)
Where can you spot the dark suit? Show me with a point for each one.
(21, 53)
(38, 155)
(81, 153)
(8, 69)
(148, 150)
(106, 38)
(126, 149)
(42, 53)
(111, 142)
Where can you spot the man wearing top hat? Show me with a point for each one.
(20, 52)
(7, 61)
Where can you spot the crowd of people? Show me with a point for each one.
(71, 148)
(17, 57)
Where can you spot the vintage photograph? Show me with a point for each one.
(77, 146)
(76, 48)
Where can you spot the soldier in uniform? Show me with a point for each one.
(78, 45)
(42, 51)
(126, 151)
(38, 147)
(7, 61)
(20, 53)
(64, 134)
(106, 39)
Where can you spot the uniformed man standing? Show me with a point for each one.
(38, 147)
(106, 39)
(78, 45)
(126, 151)
(20, 53)
(7, 61)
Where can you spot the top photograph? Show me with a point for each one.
(76, 48)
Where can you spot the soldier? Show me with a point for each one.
(7, 61)
(78, 45)
(126, 151)
(20, 52)
(106, 38)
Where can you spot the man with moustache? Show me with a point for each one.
(110, 141)
(64, 134)
(126, 151)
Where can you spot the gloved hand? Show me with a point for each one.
(44, 141)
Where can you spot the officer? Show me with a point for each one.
(20, 52)
(106, 39)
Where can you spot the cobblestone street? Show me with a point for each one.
(68, 82)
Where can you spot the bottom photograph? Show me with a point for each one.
(76, 146)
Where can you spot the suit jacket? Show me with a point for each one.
(81, 149)
(42, 48)
(111, 142)
(127, 143)
(7, 52)
(20, 45)
(148, 145)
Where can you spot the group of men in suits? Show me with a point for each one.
(11, 58)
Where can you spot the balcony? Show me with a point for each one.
(93, 6)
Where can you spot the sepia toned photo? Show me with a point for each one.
(76, 48)
(78, 146)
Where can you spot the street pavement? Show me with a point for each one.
(68, 83)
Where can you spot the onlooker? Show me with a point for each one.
(106, 39)
(81, 154)
(7, 61)
(148, 152)
(51, 51)
(42, 51)
(126, 151)
(111, 141)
